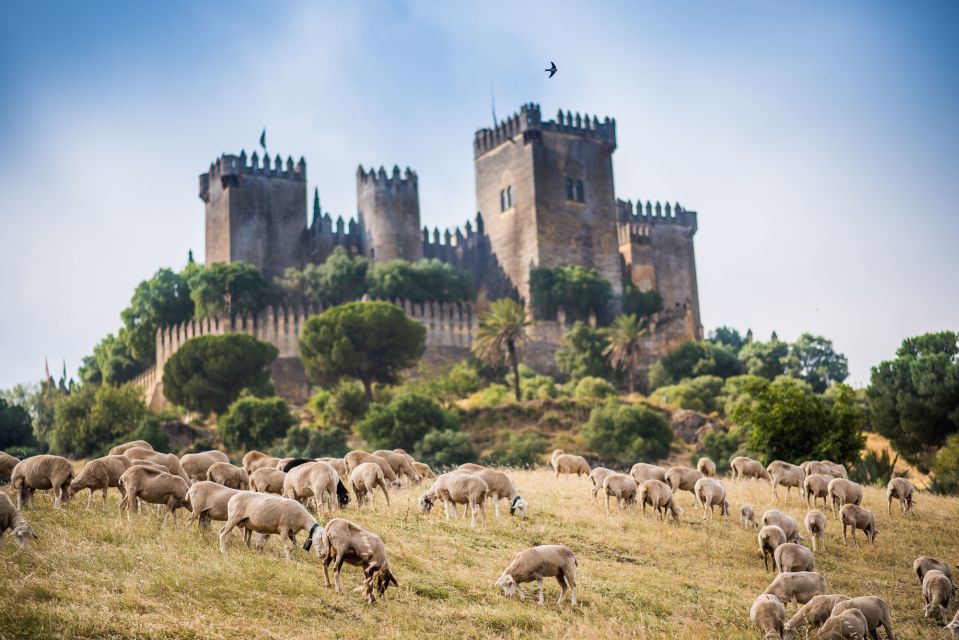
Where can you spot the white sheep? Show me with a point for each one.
(937, 591)
(266, 514)
(787, 475)
(99, 475)
(339, 464)
(902, 490)
(855, 517)
(355, 458)
(706, 467)
(658, 495)
(228, 475)
(842, 492)
(39, 473)
(7, 463)
(743, 467)
(455, 488)
(543, 561)
(197, 464)
(791, 557)
(836, 470)
(254, 460)
(267, 480)
(312, 479)
(799, 587)
(344, 541)
(816, 486)
(120, 449)
(848, 624)
(747, 517)
(423, 470)
(622, 487)
(643, 471)
(364, 479)
(813, 614)
(568, 464)
(168, 460)
(502, 487)
(815, 522)
(711, 493)
(150, 485)
(768, 615)
(401, 463)
(924, 564)
(208, 501)
(596, 476)
(788, 524)
(683, 479)
(12, 519)
(877, 611)
(770, 537)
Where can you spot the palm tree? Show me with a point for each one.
(625, 345)
(502, 330)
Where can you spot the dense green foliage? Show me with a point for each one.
(460, 381)
(111, 361)
(339, 279)
(946, 466)
(163, 300)
(310, 442)
(692, 359)
(93, 416)
(813, 359)
(403, 422)
(578, 290)
(590, 388)
(209, 372)
(502, 332)
(584, 353)
(627, 433)
(723, 446)
(519, 448)
(443, 449)
(254, 423)
(340, 406)
(764, 359)
(624, 351)
(697, 394)
(534, 386)
(641, 303)
(423, 281)
(236, 288)
(16, 426)
(728, 337)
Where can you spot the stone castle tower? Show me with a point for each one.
(389, 214)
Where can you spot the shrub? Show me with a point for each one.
(946, 466)
(16, 427)
(578, 290)
(875, 468)
(93, 416)
(590, 388)
(641, 303)
(459, 382)
(494, 395)
(446, 448)
(722, 446)
(312, 442)
(584, 353)
(519, 448)
(342, 406)
(403, 422)
(625, 433)
(534, 386)
(695, 394)
(254, 423)
(150, 429)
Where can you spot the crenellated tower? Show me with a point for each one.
(389, 214)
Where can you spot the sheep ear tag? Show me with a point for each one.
(309, 537)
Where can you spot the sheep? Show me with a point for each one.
(7, 463)
(770, 537)
(849, 624)
(791, 557)
(937, 591)
(743, 467)
(855, 517)
(900, 489)
(502, 487)
(810, 467)
(337, 463)
(788, 524)
(344, 541)
(683, 479)
(99, 475)
(814, 613)
(356, 458)
(787, 475)
(815, 522)
(267, 480)
(658, 495)
(747, 517)
(470, 467)
(168, 460)
(312, 479)
(266, 514)
(596, 476)
(642, 472)
(706, 467)
(228, 475)
(834, 469)
(769, 615)
(842, 491)
(710, 493)
(208, 501)
(423, 470)
(364, 479)
(400, 463)
(568, 464)
(622, 487)
(41, 473)
(876, 610)
(155, 487)
(11, 518)
(953, 626)
(924, 564)
(120, 449)
(197, 464)
(455, 488)
(799, 587)
(536, 563)
(254, 460)
(816, 485)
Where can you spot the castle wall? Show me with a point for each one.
(389, 214)
(324, 235)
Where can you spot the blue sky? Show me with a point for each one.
(818, 141)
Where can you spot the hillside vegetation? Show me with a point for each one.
(92, 575)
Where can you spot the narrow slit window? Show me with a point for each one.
(580, 197)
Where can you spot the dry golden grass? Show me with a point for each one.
(92, 575)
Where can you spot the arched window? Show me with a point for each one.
(569, 189)
(579, 191)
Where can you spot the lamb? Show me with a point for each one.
(815, 522)
(400, 463)
(7, 463)
(267, 480)
(924, 564)
(596, 476)
(816, 486)
(622, 487)
(155, 487)
(502, 487)
(900, 489)
(658, 494)
(41, 473)
(683, 479)
(744, 467)
(814, 613)
(168, 460)
(356, 458)
(747, 517)
(254, 460)
(791, 557)
(937, 591)
(11, 518)
(842, 491)
(312, 479)
(456, 488)
(770, 537)
(569, 464)
(849, 624)
(710, 493)
(120, 449)
(266, 514)
(423, 470)
(208, 501)
(228, 475)
(536, 563)
(344, 541)
(788, 524)
(197, 464)
(706, 467)
(364, 479)
(787, 475)
(876, 610)
(799, 587)
(99, 475)
(855, 517)
(769, 615)
(642, 472)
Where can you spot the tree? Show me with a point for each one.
(813, 359)
(703, 358)
(641, 303)
(946, 466)
(209, 372)
(419, 282)
(16, 427)
(448, 448)
(501, 332)
(369, 341)
(236, 288)
(578, 290)
(727, 337)
(254, 423)
(764, 359)
(111, 362)
(584, 353)
(339, 279)
(696, 394)
(93, 416)
(403, 422)
(162, 301)
(914, 399)
(624, 351)
(624, 433)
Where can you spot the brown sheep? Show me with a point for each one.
(355, 458)
(847, 624)
(770, 538)
(855, 517)
(791, 557)
(815, 522)
(41, 473)
(743, 467)
(99, 475)
(364, 479)
(11, 518)
(596, 476)
(799, 587)
(924, 564)
(501, 487)
(711, 493)
(877, 611)
(543, 561)
(814, 613)
(120, 449)
(339, 464)
(683, 479)
(266, 514)
(168, 460)
(197, 464)
(568, 464)
(155, 487)
(658, 495)
(643, 471)
(706, 467)
(937, 591)
(621, 487)
(400, 463)
(458, 487)
(208, 501)
(254, 460)
(768, 615)
(816, 486)
(788, 524)
(842, 491)
(900, 489)
(345, 541)
(267, 480)
(313, 479)
(228, 475)
(836, 470)
(747, 517)
(787, 475)
(424, 471)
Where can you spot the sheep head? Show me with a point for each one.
(510, 588)
(425, 503)
(519, 507)
(23, 533)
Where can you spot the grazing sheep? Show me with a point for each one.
(747, 517)
(953, 626)
(622, 487)
(228, 475)
(344, 541)
(254, 460)
(471, 467)
(502, 487)
(642, 472)
(400, 463)
(543, 561)
(706, 467)
(900, 489)
(267, 480)
(769, 615)
(877, 612)
(937, 591)
(312, 479)
(810, 467)
(814, 613)
(266, 514)
(770, 538)
(168, 460)
(364, 479)
(596, 476)
(787, 475)
(120, 449)
(743, 467)
(11, 518)
(355, 458)
(815, 522)
(41, 473)
(710, 493)
(924, 564)
(843, 491)
(569, 464)
(834, 469)
(208, 501)
(337, 463)
(7, 463)
(849, 624)
(799, 587)
(791, 557)
(855, 517)
(455, 488)
(99, 475)
(197, 464)
(658, 495)
(423, 470)
(788, 524)
(155, 487)
(816, 486)
(683, 479)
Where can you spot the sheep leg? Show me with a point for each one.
(105, 490)
(562, 587)
(326, 569)
(472, 513)
(225, 531)
(496, 506)
(287, 538)
(607, 504)
(90, 499)
(572, 582)
(539, 584)
(340, 559)
(386, 493)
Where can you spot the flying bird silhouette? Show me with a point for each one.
(552, 69)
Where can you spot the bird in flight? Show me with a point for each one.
(552, 69)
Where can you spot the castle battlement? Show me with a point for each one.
(528, 121)
(636, 223)
(228, 166)
(454, 238)
(380, 177)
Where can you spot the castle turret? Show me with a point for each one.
(389, 214)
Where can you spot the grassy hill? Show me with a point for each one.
(92, 575)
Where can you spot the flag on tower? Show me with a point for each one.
(263, 139)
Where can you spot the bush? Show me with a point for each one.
(342, 406)
(447, 448)
(584, 353)
(946, 466)
(23, 452)
(16, 427)
(641, 303)
(692, 359)
(495, 395)
(533, 386)
(150, 429)
(695, 394)
(254, 423)
(519, 448)
(590, 388)
(419, 282)
(311, 442)
(578, 290)
(875, 469)
(459, 382)
(722, 446)
(403, 422)
(93, 416)
(624, 433)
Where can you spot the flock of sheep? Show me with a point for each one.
(270, 496)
